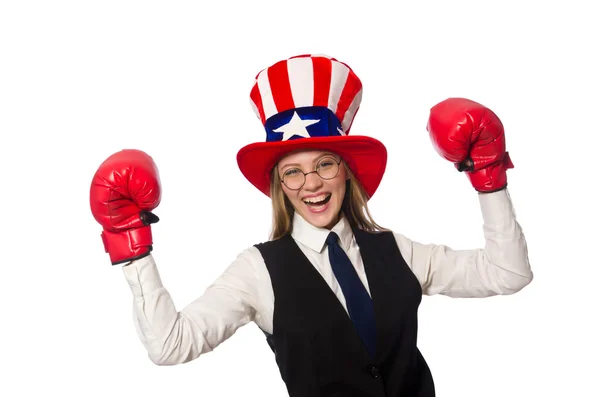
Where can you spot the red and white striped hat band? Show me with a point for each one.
(307, 81)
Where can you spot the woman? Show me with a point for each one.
(336, 294)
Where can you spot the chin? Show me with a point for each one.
(322, 222)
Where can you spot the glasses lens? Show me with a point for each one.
(328, 168)
(293, 178)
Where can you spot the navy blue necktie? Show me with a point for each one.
(358, 301)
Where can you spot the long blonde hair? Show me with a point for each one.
(354, 206)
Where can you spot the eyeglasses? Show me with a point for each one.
(295, 178)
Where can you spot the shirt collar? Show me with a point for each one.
(314, 237)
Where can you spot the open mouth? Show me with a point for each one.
(318, 201)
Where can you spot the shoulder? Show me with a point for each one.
(254, 255)
(386, 238)
(275, 253)
(378, 236)
(272, 244)
(375, 242)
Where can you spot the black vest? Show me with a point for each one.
(316, 346)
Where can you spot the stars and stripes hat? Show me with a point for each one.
(309, 102)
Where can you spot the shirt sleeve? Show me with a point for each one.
(500, 268)
(174, 337)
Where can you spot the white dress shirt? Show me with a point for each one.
(243, 292)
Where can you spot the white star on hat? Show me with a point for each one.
(296, 126)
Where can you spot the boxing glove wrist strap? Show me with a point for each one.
(492, 177)
(127, 245)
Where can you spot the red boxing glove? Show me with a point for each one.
(472, 137)
(124, 191)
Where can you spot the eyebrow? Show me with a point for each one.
(314, 161)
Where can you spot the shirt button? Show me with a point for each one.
(374, 372)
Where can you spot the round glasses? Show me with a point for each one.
(295, 178)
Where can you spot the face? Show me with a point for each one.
(319, 200)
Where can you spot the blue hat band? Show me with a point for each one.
(304, 122)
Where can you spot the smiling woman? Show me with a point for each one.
(324, 198)
(336, 295)
(316, 195)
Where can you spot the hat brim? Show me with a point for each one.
(366, 157)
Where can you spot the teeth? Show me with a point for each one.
(316, 199)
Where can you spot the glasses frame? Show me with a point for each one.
(338, 162)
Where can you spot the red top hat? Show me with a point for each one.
(309, 102)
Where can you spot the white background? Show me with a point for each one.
(80, 80)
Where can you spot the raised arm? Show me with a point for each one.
(124, 191)
(472, 137)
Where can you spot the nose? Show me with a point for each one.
(313, 182)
